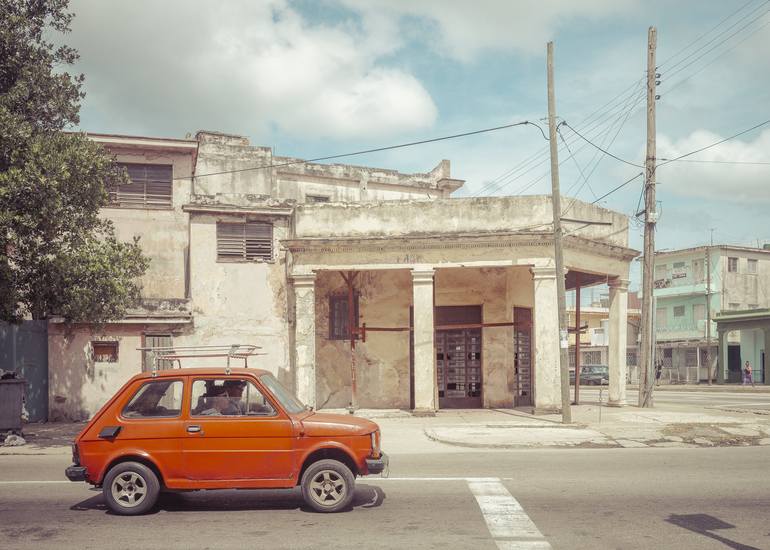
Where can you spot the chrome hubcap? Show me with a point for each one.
(129, 489)
(327, 488)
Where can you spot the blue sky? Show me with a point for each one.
(320, 78)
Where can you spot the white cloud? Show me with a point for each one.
(467, 29)
(742, 183)
(239, 66)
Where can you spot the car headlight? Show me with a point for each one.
(375, 443)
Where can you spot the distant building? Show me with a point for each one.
(740, 280)
(594, 341)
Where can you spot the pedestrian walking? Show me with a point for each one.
(748, 377)
(658, 371)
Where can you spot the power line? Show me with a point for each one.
(600, 149)
(714, 144)
(621, 186)
(715, 27)
(738, 22)
(720, 161)
(365, 151)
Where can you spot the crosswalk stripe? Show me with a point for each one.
(506, 520)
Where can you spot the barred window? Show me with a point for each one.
(338, 316)
(149, 186)
(104, 352)
(244, 242)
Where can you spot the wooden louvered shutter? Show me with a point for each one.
(149, 186)
(259, 241)
(230, 242)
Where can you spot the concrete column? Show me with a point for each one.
(304, 338)
(424, 349)
(618, 329)
(721, 356)
(546, 379)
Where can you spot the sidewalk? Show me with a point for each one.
(449, 431)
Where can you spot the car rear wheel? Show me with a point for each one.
(130, 488)
(328, 486)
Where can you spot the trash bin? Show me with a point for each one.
(11, 398)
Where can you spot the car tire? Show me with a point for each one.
(328, 486)
(130, 489)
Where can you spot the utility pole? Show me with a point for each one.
(566, 412)
(708, 311)
(647, 380)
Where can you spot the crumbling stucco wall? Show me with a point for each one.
(162, 232)
(239, 302)
(471, 216)
(383, 360)
(78, 386)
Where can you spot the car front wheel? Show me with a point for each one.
(328, 486)
(130, 489)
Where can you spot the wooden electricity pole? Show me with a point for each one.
(647, 380)
(566, 412)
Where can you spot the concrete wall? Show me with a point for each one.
(239, 302)
(163, 232)
(78, 386)
(454, 215)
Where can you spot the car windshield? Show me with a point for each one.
(284, 396)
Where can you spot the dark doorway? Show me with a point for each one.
(734, 373)
(458, 358)
(522, 357)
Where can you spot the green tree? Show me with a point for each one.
(57, 256)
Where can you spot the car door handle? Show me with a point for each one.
(194, 430)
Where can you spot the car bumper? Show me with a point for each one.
(75, 473)
(377, 465)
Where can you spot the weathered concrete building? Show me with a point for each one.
(454, 299)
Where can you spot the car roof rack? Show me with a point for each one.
(177, 353)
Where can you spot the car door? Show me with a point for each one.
(151, 423)
(230, 436)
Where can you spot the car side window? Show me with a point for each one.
(158, 398)
(228, 397)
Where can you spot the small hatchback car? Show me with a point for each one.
(217, 428)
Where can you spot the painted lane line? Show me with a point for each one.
(32, 482)
(508, 523)
(433, 478)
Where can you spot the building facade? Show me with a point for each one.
(451, 302)
(722, 278)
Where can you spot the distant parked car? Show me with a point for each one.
(591, 375)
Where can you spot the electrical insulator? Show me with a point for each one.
(657, 82)
(657, 97)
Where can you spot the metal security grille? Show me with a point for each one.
(458, 362)
(149, 186)
(240, 242)
(522, 356)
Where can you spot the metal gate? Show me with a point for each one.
(458, 358)
(24, 349)
(522, 356)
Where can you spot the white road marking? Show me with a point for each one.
(433, 478)
(507, 521)
(32, 482)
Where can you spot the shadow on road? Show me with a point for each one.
(366, 496)
(703, 524)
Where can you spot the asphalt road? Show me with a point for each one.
(568, 499)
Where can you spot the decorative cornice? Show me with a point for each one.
(423, 276)
(303, 280)
(619, 284)
(241, 210)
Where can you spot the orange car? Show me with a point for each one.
(216, 428)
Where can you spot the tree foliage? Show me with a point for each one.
(57, 256)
